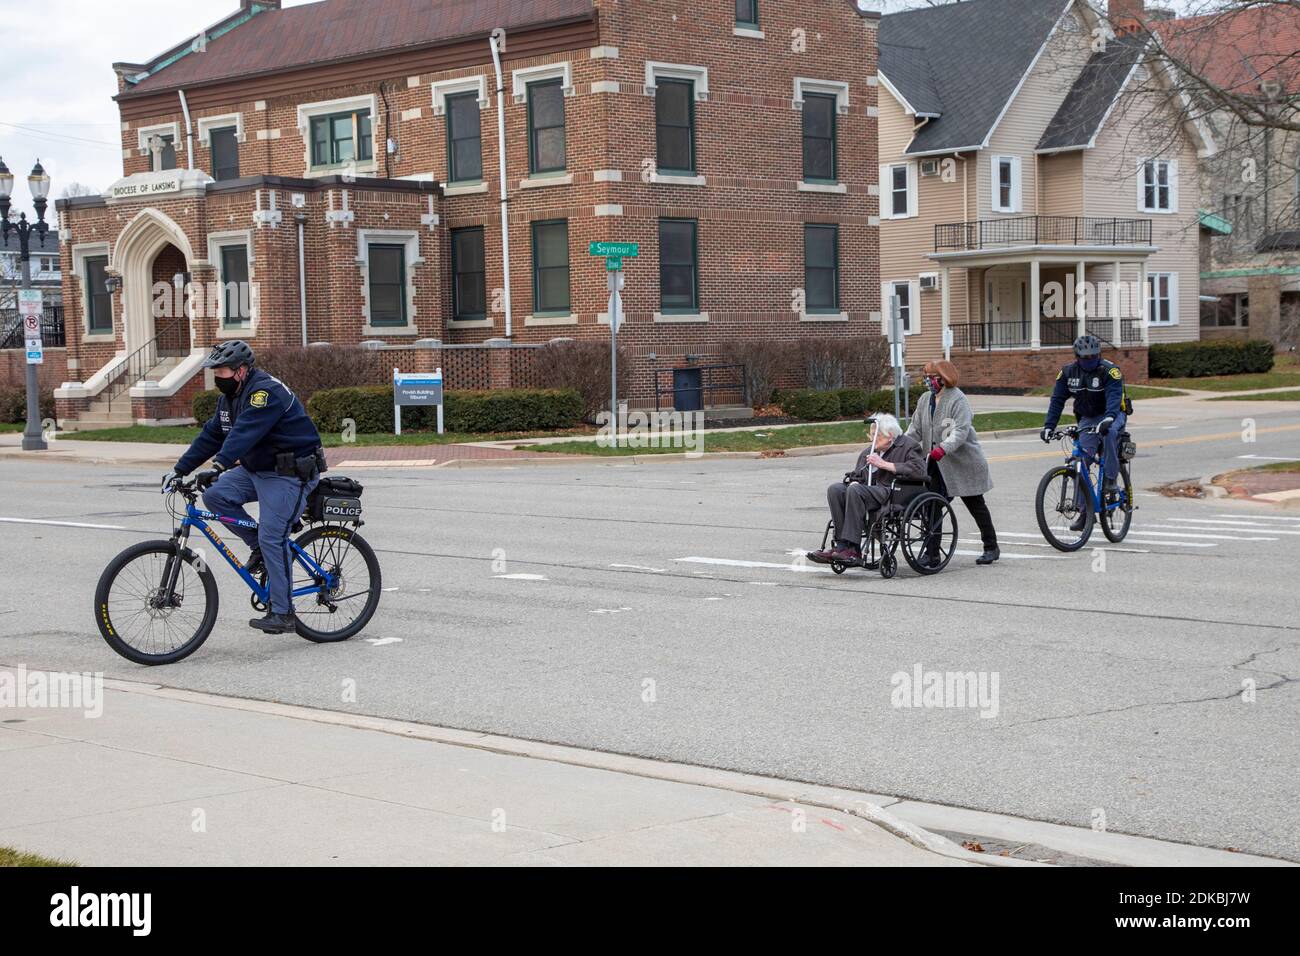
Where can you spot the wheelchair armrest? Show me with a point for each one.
(913, 482)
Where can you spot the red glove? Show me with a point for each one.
(936, 453)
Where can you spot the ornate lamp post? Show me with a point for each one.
(39, 183)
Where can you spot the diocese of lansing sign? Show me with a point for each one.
(143, 190)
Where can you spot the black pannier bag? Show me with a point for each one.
(1128, 448)
(335, 499)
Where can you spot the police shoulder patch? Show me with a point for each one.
(1115, 372)
(259, 398)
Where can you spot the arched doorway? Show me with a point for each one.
(152, 249)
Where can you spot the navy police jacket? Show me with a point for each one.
(1099, 393)
(263, 420)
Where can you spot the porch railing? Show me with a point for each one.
(138, 364)
(53, 335)
(1041, 231)
(1052, 334)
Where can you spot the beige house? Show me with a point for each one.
(1034, 185)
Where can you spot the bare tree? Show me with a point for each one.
(75, 189)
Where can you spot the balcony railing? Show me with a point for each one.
(1040, 231)
(1052, 334)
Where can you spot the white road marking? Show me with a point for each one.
(1255, 517)
(1197, 534)
(638, 567)
(381, 641)
(1266, 458)
(520, 577)
(1031, 544)
(736, 563)
(1180, 544)
(65, 524)
(610, 610)
(1211, 525)
(390, 589)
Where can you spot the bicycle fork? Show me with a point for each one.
(166, 596)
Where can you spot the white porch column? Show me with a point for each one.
(1116, 323)
(945, 301)
(1035, 307)
(1080, 306)
(1142, 303)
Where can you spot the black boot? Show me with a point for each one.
(275, 623)
(255, 564)
(991, 554)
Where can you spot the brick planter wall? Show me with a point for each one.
(1024, 369)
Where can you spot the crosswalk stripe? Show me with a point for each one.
(1253, 529)
(1261, 518)
(1180, 544)
(1194, 534)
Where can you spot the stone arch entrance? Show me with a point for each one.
(152, 249)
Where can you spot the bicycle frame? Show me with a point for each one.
(1085, 461)
(198, 518)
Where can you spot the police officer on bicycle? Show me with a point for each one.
(1097, 387)
(264, 448)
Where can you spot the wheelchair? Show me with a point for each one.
(915, 520)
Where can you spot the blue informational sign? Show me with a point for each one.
(416, 389)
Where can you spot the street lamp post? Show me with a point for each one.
(39, 182)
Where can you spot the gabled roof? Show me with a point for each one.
(261, 40)
(964, 61)
(1094, 92)
(11, 242)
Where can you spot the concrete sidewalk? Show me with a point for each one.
(166, 777)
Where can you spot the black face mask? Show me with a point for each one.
(228, 386)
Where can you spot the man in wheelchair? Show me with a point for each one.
(866, 489)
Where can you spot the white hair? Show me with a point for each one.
(888, 425)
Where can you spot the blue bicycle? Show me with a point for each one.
(1070, 499)
(156, 602)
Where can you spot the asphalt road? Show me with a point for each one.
(655, 609)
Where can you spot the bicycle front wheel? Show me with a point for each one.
(1064, 509)
(146, 618)
(1115, 520)
(345, 600)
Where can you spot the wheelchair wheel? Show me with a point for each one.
(888, 565)
(1115, 521)
(929, 533)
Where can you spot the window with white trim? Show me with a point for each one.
(898, 185)
(1006, 184)
(1158, 186)
(1162, 298)
(99, 301)
(909, 301)
(236, 290)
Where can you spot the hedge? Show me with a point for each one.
(1211, 357)
(809, 405)
(204, 405)
(13, 404)
(853, 401)
(502, 410)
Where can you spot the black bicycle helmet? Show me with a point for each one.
(231, 354)
(1085, 347)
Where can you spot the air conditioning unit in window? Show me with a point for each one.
(929, 281)
(929, 167)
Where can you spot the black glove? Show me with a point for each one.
(205, 479)
(1104, 425)
(170, 480)
(1046, 434)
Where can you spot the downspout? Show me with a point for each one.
(501, 149)
(302, 276)
(189, 132)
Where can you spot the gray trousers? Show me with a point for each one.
(850, 505)
(280, 502)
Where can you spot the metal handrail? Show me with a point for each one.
(740, 384)
(53, 334)
(135, 366)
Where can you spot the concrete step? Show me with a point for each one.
(97, 424)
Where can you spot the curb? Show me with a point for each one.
(904, 818)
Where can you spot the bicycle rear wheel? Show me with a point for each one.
(1115, 521)
(1064, 509)
(137, 615)
(344, 603)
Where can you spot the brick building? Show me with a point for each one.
(340, 162)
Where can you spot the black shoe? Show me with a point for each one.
(1079, 522)
(255, 564)
(274, 623)
(989, 556)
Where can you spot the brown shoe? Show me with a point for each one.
(819, 557)
(845, 555)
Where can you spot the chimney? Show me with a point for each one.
(1126, 16)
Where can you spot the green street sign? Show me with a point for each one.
(618, 250)
(613, 263)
